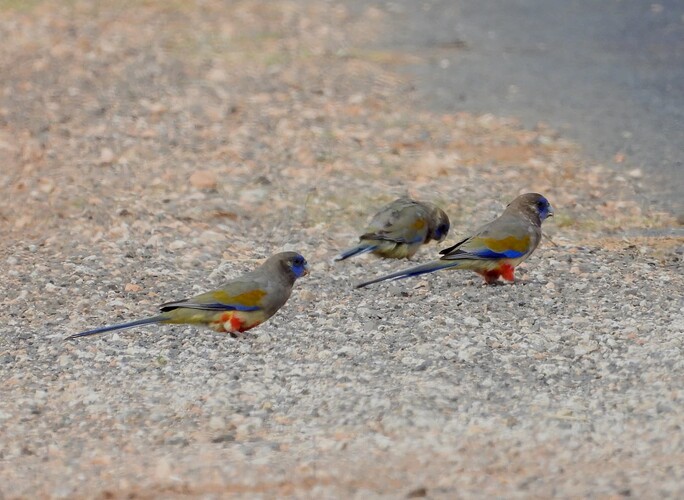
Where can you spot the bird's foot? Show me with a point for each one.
(490, 277)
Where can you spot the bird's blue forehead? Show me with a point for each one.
(441, 230)
(543, 207)
(299, 266)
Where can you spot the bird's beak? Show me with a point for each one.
(306, 269)
(550, 214)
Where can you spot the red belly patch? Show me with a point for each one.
(231, 322)
(508, 272)
(505, 271)
(236, 325)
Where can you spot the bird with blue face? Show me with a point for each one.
(399, 229)
(495, 249)
(238, 306)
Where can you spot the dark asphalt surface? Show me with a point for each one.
(607, 74)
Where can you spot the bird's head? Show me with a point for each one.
(534, 205)
(439, 224)
(294, 263)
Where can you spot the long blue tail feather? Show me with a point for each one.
(357, 250)
(121, 326)
(413, 271)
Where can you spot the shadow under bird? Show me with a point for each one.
(495, 249)
(399, 229)
(238, 306)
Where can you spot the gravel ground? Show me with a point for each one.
(146, 159)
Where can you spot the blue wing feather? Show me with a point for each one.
(214, 306)
(491, 254)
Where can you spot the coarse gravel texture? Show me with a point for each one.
(150, 150)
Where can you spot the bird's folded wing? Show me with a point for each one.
(491, 244)
(221, 300)
(406, 226)
(402, 236)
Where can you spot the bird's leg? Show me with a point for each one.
(544, 235)
(490, 277)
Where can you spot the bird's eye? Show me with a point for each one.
(541, 204)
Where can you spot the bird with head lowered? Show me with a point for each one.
(399, 229)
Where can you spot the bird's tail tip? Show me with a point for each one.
(351, 252)
(364, 284)
(389, 277)
(122, 326)
(406, 273)
(82, 334)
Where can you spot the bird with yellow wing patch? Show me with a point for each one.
(495, 249)
(239, 305)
